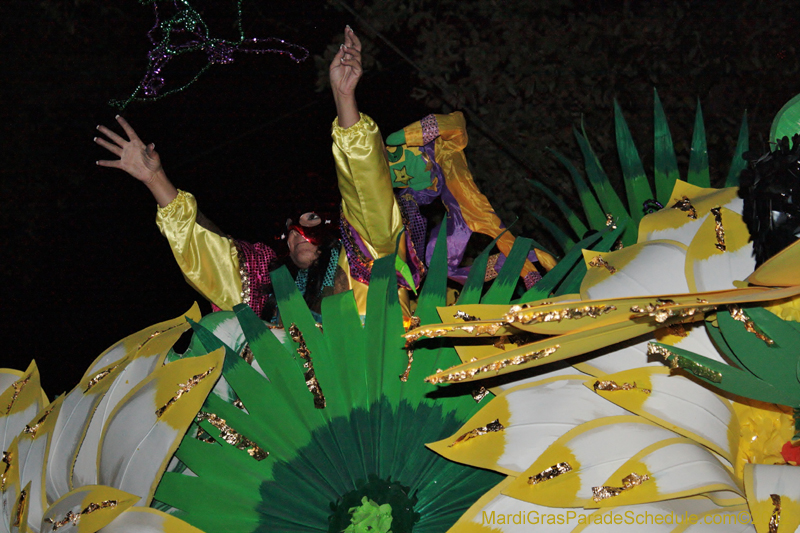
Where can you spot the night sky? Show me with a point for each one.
(84, 263)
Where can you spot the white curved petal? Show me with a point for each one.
(147, 520)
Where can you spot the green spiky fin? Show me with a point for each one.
(572, 219)
(594, 213)
(637, 187)
(698, 158)
(712, 328)
(727, 378)
(787, 122)
(563, 240)
(551, 280)
(473, 287)
(434, 290)
(738, 163)
(774, 363)
(665, 161)
(503, 287)
(604, 190)
(572, 282)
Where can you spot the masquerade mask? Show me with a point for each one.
(311, 227)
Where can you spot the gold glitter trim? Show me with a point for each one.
(518, 314)
(233, 437)
(244, 275)
(489, 329)
(466, 317)
(31, 430)
(628, 482)
(72, 518)
(677, 330)
(661, 310)
(549, 473)
(676, 361)
(156, 334)
(612, 386)
(600, 262)
(718, 229)
(18, 386)
(737, 313)
(493, 367)
(684, 204)
(99, 377)
(775, 519)
(311, 379)
(6, 459)
(23, 496)
(610, 221)
(491, 427)
(479, 394)
(491, 272)
(184, 388)
(413, 322)
(247, 354)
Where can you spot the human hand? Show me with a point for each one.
(345, 69)
(137, 159)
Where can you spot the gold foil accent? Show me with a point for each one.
(610, 221)
(493, 367)
(516, 314)
(491, 427)
(775, 519)
(247, 354)
(677, 330)
(684, 204)
(661, 310)
(244, 275)
(600, 262)
(466, 317)
(479, 394)
(6, 459)
(488, 329)
(718, 229)
(628, 482)
(612, 386)
(238, 404)
(99, 377)
(233, 437)
(20, 510)
(737, 313)
(491, 272)
(676, 361)
(549, 473)
(410, 323)
(183, 389)
(156, 334)
(72, 518)
(18, 386)
(31, 430)
(311, 379)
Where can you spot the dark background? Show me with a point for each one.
(83, 264)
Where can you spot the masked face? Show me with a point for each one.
(304, 239)
(408, 167)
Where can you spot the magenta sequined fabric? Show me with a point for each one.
(430, 128)
(254, 263)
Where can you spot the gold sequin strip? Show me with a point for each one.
(72, 518)
(684, 204)
(491, 427)
(676, 361)
(600, 262)
(23, 497)
(99, 377)
(244, 275)
(518, 314)
(31, 430)
(737, 313)
(612, 386)
(466, 317)
(775, 519)
(18, 386)
(184, 388)
(7, 461)
(549, 473)
(493, 367)
(718, 229)
(628, 482)
(233, 437)
(311, 379)
(479, 394)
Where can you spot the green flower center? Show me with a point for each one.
(376, 506)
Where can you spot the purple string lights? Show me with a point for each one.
(186, 32)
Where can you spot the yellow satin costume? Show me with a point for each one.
(210, 261)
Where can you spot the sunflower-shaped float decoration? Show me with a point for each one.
(615, 439)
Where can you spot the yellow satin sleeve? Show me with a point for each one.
(209, 261)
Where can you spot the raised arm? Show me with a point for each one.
(137, 159)
(345, 71)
